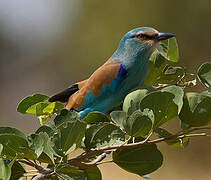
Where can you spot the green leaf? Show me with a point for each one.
(142, 160)
(48, 146)
(173, 51)
(46, 129)
(50, 108)
(69, 136)
(30, 101)
(65, 116)
(5, 171)
(178, 95)
(132, 100)
(170, 74)
(118, 117)
(40, 108)
(37, 144)
(17, 171)
(177, 143)
(139, 123)
(96, 117)
(204, 74)
(163, 106)
(16, 146)
(155, 69)
(1, 149)
(103, 134)
(45, 108)
(163, 50)
(45, 158)
(196, 110)
(9, 130)
(69, 172)
(58, 107)
(93, 173)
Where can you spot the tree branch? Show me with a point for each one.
(133, 145)
(82, 165)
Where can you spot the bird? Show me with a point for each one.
(124, 71)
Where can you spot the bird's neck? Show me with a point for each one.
(132, 54)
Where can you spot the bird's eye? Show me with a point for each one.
(143, 36)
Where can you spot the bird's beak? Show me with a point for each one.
(163, 36)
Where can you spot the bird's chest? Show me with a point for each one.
(137, 73)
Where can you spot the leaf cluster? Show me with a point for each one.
(126, 137)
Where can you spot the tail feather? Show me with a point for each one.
(64, 95)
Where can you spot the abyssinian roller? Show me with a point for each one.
(124, 71)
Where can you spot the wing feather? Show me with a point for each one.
(102, 76)
(64, 95)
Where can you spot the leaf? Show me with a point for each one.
(30, 101)
(155, 68)
(58, 107)
(1, 149)
(16, 146)
(17, 171)
(69, 134)
(163, 50)
(93, 173)
(96, 117)
(65, 116)
(9, 130)
(37, 144)
(46, 129)
(50, 108)
(204, 74)
(142, 160)
(132, 100)
(40, 108)
(138, 123)
(196, 110)
(177, 143)
(170, 74)
(48, 146)
(5, 171)
(45, 108)
(163, 106)
(103, 134)
(45, 158)
(173, 51)
(118, 117)
(178, 95)
(69, 172)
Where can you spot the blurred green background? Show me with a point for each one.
(47, 45)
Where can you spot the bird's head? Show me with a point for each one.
(141, 40)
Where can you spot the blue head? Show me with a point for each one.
(139, 43)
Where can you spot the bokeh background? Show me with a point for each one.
(47, 45)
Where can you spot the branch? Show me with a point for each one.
(76, 162)
(133, 145)
(44, 174)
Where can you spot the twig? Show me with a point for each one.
(99, 158)
(42, 175)
(133, 145)
(82, 165)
